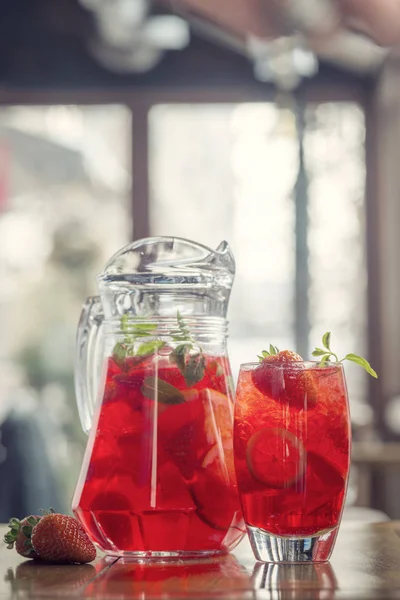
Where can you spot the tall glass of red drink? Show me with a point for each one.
(292, 445)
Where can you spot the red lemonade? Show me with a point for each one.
(292, 442)
(158, 475)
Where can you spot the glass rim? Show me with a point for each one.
(295, 364)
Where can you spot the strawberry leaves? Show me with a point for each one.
(326, 355)
(273, 351)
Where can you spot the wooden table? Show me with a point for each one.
(365, 564)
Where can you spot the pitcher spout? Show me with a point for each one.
(224, 257)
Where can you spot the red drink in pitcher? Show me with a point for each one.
(158, 475)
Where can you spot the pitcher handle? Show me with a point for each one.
(88, 362)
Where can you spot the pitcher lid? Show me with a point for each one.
(170, 260)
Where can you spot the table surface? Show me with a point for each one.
(365, 564)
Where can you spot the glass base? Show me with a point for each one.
(277, 549)
(159, 556)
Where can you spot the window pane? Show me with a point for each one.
(334, 145)
(64, 209)
(230, 176)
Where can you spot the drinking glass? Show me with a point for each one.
(291, 451)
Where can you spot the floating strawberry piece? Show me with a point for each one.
(275, 457)
(61, 539)
(180, 434)
(20, 534)
(319, 472)
(283, 383)
(218, 512)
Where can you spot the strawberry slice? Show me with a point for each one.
(181, 435)
(294, 386)
(216, 502)
(324, 482)
(275, 457)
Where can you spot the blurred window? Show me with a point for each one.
(228, 171)
(64, 209)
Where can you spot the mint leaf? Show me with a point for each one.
(154, 388)
(194, 370)
(150, 347)
(326, 340)
(182, 334)
(143, 327)
(359, 360)
(124, 322)
(191, 366)
(178, 356)
(326, 358)
(319, 352)
(327, 355)
(133, 331)
(120, 352)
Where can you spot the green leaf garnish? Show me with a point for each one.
(178, 356)
(133, 331)
(154, 388)
(327, 356)
(319, 352)
(188, 355)
(194, 371)
(149, 347)
(120, 352)
(326, 340)
(359, 360)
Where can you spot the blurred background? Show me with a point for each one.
(273, 125)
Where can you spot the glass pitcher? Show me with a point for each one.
(154, 389)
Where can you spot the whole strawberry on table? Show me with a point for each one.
(53, 538)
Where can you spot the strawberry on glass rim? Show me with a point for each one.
(282, 374)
